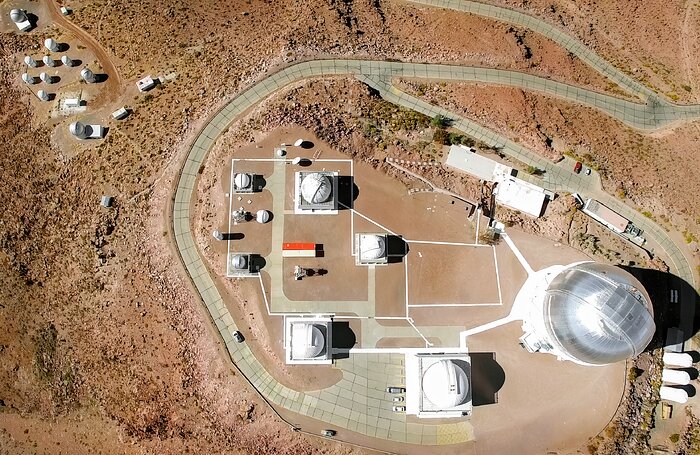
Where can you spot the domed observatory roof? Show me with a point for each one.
(79, 130)
(240, 262)
(262, 216)
(307, 341)
(316, 188)
(17, 16)
(445, 384)
(598, 314)
(373, 247)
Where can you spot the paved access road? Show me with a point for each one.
(357, 403)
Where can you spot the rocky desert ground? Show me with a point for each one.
(106, 347)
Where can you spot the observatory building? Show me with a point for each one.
(83, 131)
(588, 313)
(244, 183)
(438, 385)
(371, 249)
(240, 264)
(316, 193)
(20, 19)
(308, 340)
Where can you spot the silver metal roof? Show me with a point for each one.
(598, 313)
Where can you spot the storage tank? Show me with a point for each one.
(598, 314)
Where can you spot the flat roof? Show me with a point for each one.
(606, 215)
(477, 165)
(520, 195)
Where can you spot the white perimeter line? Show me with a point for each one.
(405, 280)
(289, 161)
(373, 222)
(262, 286)
(429, 242)
(518, 254)
(430, 305)
(395, 318)
(478, 219)
(352, 234)
(498, 278)
(230, 206)
(427, 343)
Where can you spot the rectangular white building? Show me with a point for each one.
(520, 195)
(467, 160)
(606, 216)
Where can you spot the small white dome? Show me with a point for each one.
(48, 61)
(45, 78)
(29, 61)
(17, 16)
(43, 96)
(316, 188)
(307, 341)
(239, 262)
(87, 75)
(67, 60)
(445, 384)
(373, 247)
(78, 130)
(51, 44)
(241, 181)
(262, 217)
(27, 78)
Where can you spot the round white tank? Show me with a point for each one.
(48, 61)
(262, 217)
(241, 181)
(445, 384)
(675, 377)
(45, 78)
(17, 16)
(66, 60)
(51, 44)
(78, 130)
(42, 95)
(87, 75)
(30, 62)
(679, 359)
(673, 394)
(27, 78)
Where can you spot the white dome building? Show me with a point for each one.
(316, 188)
(88, 76)
(438, 385)
(28, 79)
(262, 216)
(239, 262)
(316, 192)
(51, 44)
(308, 340)
(445, 384)
(17, 16)
(79, 130)
(243, 183)
(371, 249)
(588, 313)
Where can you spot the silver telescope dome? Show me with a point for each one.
(598, 314)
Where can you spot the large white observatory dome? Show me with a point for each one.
(373, 247)
(307, 341)
(17, 16)
(316, 188)
(598, 314)
(445, 384)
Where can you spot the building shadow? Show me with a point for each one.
(396, 248)
(673, 300)
(33, 20)
(342, 339)
(319, 250)
(257, 263)
(487, 378)
(347, 192)
(259, 182)
(76, 62)
(101, 77)
(233, 236)
(307, 145)
(63, 47)
(692, 372)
